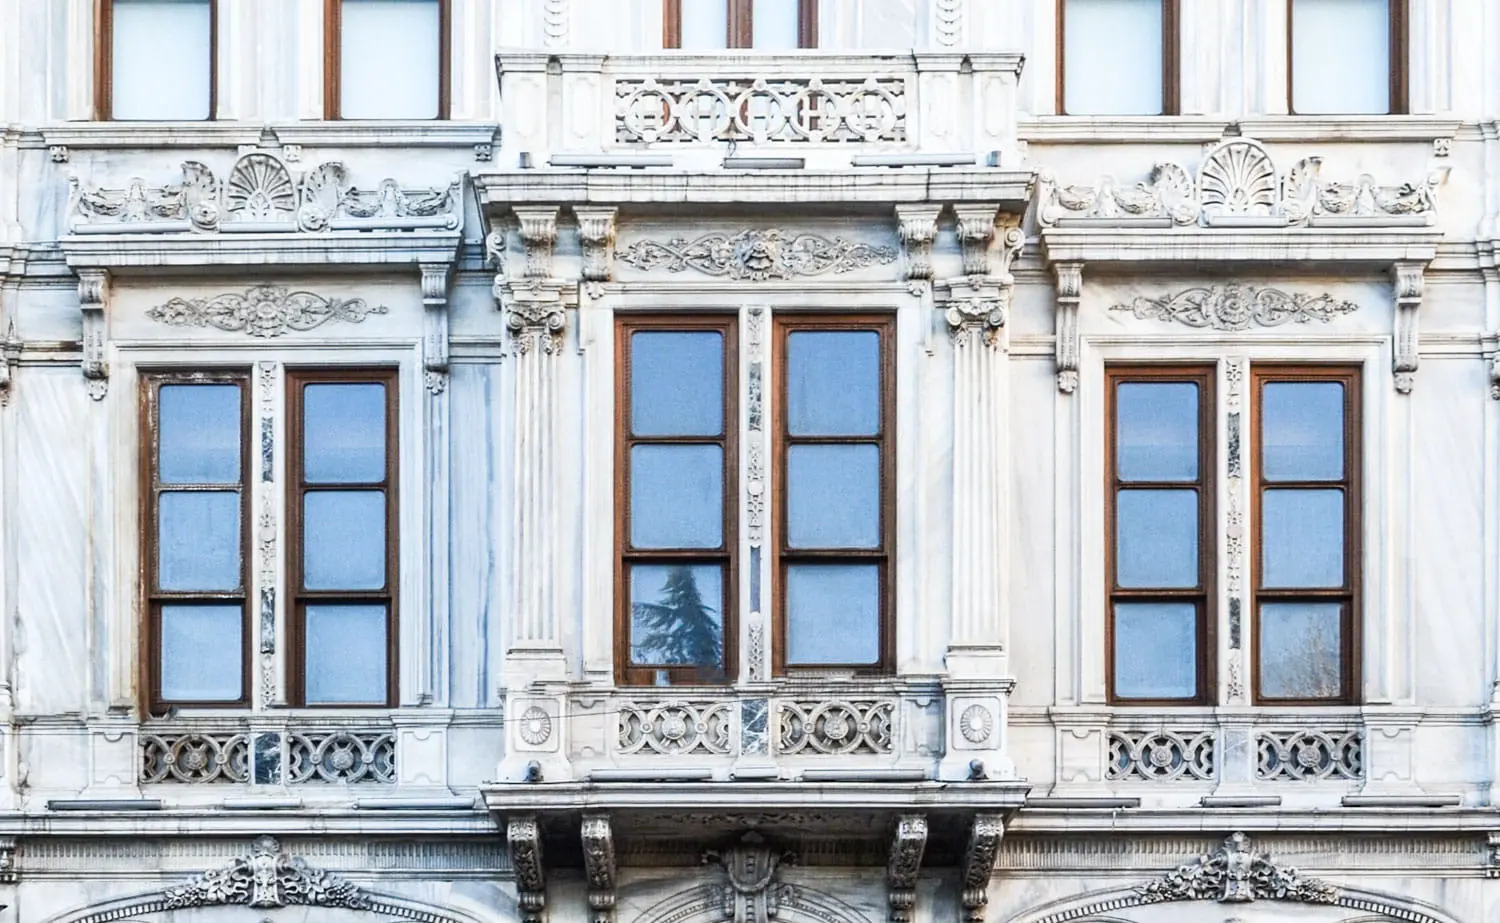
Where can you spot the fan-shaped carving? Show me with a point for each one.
(260, 189)
(1238, 178)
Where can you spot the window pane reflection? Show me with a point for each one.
(677, 615)
(1300, 650)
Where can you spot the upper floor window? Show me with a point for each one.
(1305, 514)
(1159, 515)
(386, 59)
(771, 25)
(1346, 57)
(1117, 57)
(136, 79)
(342, 555)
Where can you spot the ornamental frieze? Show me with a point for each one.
(263, 311)
(756, 255)
(1236, 307)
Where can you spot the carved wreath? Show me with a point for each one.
(262, 311)
(755, 255)
(1235, 307)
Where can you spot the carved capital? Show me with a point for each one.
(979, 316)
(918, 227)
(1069, 278)
(599, 866)
(596, 236)
(536, 317)
(1407, 283)
(523, 840)
(538, 235)
(93, 300)
(979, 864)
(907, 845)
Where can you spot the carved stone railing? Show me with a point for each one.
(673, 101)
(298, 755)
(1239, 185)
(1309, 754)
(1162, 755)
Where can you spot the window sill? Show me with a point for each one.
(1100, 129)
(1426, 128)
(227, 134)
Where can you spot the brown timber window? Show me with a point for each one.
(386, 59)
(1159, 548)
(342, 522)
(834, 503)
(195, 518)
(1117, 57)
(1346, 57)
(774, 25)
(155, 59)
(1305, 542)
(677, 531)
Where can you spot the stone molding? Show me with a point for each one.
(1236, 306)
(263, 311)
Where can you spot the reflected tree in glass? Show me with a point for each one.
(680, 629)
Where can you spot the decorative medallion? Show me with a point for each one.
(756, 255)
(536, 726)
(263, 311)
(1236, 307)
(976, 723)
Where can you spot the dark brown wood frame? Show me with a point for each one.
(297, 487)
(741, 23)
(885, 556)
(1349, 593)
(1398, 102)
(333, 52)
(1171, 66)
(726, 555)
(152, 598)
(104, 53)
(1203, 595)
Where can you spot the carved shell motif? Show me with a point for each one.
(1238, 178)
(260, 189)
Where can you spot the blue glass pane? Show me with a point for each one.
(677, 615)
(833, 383)
(832, 614)
(833, 496)
(1299, 650)
(1302, 430)
(1156, 538)
(346, 655)
(198, 540)
(1156, 650)
(198, 434)
(343, 540)
(1302, 539)
(202, 652)
(676, 496)
(1156, 430)
(676, 383)
(343, 433)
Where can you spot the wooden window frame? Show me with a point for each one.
(741, 24)
(152, 599)
(1398, 102)
(299, 597)
(1350, 593)
(727, 554)
(104, 60)
(333, 59)
(885, 556)
(1204, 595)
(1171, 64)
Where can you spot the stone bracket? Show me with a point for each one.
(1406, 288)
(10, 356)
(907, 845)
(918, 228)
(979, 864)
(93, 300)
(596, 238)
(599, 866)
(1069, 278)
(435, 278)
(523, 840)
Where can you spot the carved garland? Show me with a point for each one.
(1236, 307)
(263, 311)
(756, 255)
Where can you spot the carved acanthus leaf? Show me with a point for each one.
(262, 311)
(1233, 873)
(267, 877)
(1236, 307)
(756, 255)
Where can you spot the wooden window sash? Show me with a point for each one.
(884, 556)
(297, 489)
(104, 58)
(1347, 595)
(1203, 595)
(333, 65)
(1398, 101)
(1171, 64)
(150, 490)
(741, 19)
(726, 555)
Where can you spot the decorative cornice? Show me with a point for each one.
(266, 878)
(908, 842)
(756, 255)
(263, 311)
(1236, 307)
(1234, 874)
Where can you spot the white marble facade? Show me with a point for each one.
(487, 257)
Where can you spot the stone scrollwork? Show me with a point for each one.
(263, 311)
(1238, 184)
(918, 227)
(1407, 282)
(1234, 873)
(752, 894)
(341, 756)
(979, 316)
(675, 727)
(836, 727)
(267, 877)
(523, 840)
(1161, 756)
(907, 845)
(596, 236)
(93, 298)
(1069, 278)
(599, 866)
(195, 757)
(1236, 307)
(756, 255)
(1309, 754)
(985, 833)
(193, 202)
